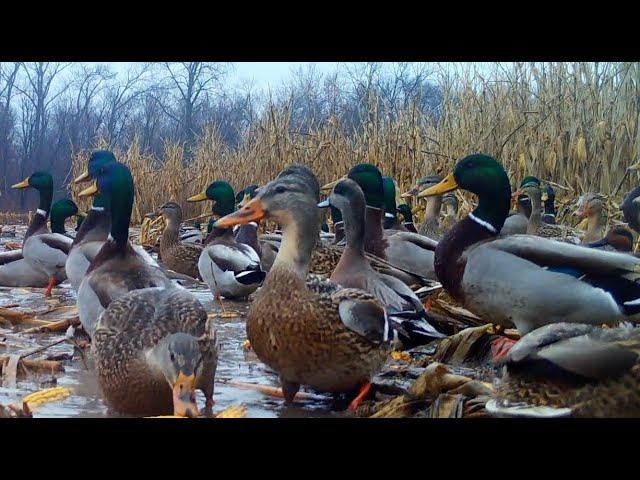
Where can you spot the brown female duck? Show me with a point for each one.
(178, 256)
(331, 338)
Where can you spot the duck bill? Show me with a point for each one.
(544, 197)
(447, 185)
(251, 212)
(411, 193)
(83, 177)
(324, 204)
(330, 185)
(89, 191)
(184, 396)
(152, 215)
(201, 197)
(22, 184)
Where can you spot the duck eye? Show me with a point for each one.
(280, 189)
(173, 357)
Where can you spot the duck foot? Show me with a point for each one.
(52, 283)
(500, 347)
(365, 389)
(208, 405)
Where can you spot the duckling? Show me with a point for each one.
(117, 268)
(229, 268)
(179, 257)
(44, 251)
(510, 280)
(330, 338)
(571, 369)
(354, 271)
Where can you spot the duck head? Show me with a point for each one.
(179, 358)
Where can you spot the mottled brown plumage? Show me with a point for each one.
(179, 257)
(317, 334)
(134, 324)
(585, 370)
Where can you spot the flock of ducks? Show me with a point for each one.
(327, 309)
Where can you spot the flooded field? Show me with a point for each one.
(235, 364)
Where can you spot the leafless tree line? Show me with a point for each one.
(50, 110)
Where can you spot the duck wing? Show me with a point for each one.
(546, 252)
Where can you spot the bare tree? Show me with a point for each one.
(188, 84)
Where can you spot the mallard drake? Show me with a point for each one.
(407, 217)
(153, 346)
(618, 239)
(60, 211)
(430, 227)
(94, 231)
(548, 200)
(409, 251)
(44, 251)
(390, 221)
(571, 369)
(15, 271)
(354, 271)
(117, 268)
(535, 225)
(229, 268)
(179, 257)
(591, 207)
(330, 338)
(510, 280)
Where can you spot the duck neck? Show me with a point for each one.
(248, 235)
(217, 233)
(299, 237)
(338, 229)
(550, 207)
(354, 229)
(432, 208)
(595, 222)
(493, 208)
(95, 226)
(524, 206)
(121, 218)
(39, 221)
(535, 218)
(373, 235)
(57, 223)
(171, 234)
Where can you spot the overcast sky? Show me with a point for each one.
(263, 74)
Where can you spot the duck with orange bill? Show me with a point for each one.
(314, 333)
(152, 341)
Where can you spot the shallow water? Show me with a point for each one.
(234, 363)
